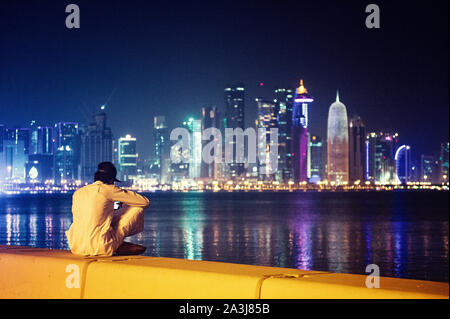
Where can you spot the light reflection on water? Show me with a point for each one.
(406, 234)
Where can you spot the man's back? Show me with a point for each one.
(91, 233)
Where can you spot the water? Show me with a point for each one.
(404, 233)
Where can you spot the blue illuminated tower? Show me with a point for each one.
(16, 146)
(66, 152)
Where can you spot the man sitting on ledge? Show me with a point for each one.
(98, 230)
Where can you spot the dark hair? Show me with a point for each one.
(106, 173)
(99, 176)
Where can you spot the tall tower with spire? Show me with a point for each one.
(96, 145)
(337, 143)
(300, 133)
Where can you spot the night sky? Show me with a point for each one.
(147, 58)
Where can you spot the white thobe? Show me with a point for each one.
(98, 230)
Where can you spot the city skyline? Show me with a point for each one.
(69, 152)
(269, 150)
(153, 67)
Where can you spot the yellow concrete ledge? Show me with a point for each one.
(43, 273)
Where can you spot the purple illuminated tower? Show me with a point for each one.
(300, 133)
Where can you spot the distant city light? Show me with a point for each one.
(304, 100)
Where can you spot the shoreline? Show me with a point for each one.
(306, 190)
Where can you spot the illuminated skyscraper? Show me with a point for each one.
(191, 169)
(161, 157)
(41, 139)
(235, 106)
(234, 118)
(33, 138)
(66, 152)
(380, 161)
(428, 169)
(283, 98)
(266, 119)
(300, 133)
(403, 163)
(16, 143)
(196, 150)
(127, 158)
(315, 159)
(45, 140)
(97, 146)
(211, 118)
(357, 149)
(337, 143)
(40, 164)
(443, 163)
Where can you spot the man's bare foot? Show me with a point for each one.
(127, 249)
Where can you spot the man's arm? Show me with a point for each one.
(128, 197)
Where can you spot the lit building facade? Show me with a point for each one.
(191, 169)
(211, 118)
(235, 118)
(266, 119)
(337, 144)
(403, 164)
(380, 161)
(357, 150)
(196, 149)
(283, 99)
(45, 140)
(66, 153)
(428, 169)
(41, 139)
(127, 158)
(300, 133)
(443, 163)
(97, 146)
(161, 156)
(16, 146)
(33, 138)
(315, 167)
